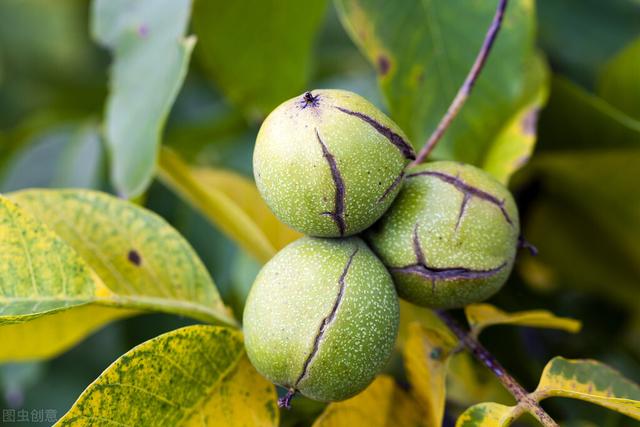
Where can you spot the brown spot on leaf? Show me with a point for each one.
(134, 257)
(383, 65)
(530, 122)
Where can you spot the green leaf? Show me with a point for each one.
(426, 358)
(67, 250)
(514, 143)
(580, 35)
(591, 381)
(577, 120)
(382, 404)
(424, 50)
(82, 161)
(596, 239)
(151, 59)
(269, 59)
(198, 375)
(619, 83)
(229, 201)
(584, 176)
(481, 316)
(486, 415)
(45, 40)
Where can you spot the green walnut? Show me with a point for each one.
(451, 236)
(321, 318)
(329, 163)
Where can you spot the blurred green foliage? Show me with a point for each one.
(578, 196)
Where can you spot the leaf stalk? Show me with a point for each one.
(524, 399)
(467, 85)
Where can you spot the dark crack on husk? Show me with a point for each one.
(405, 148)
(466, 189)
(326, 322)
(338, 213)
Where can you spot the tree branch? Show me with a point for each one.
(483, 355)
(465, 89)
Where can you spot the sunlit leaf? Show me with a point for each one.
(426, 356)
(481, 316)
(619, 83)
(151, 59)
(66, 250)
(231, 202)
(382, 404)
(424, 50)
(40, 272)
(486, 415)
(591, 381)
(195, 376)
(270, 56)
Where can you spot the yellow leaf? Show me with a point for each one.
(469, 383)
(410, 313)
(198, 375)
(49, 335)
(426, 356)
(382, 404)
(486, 415)
(591, 381)
(63, 250)
(482, 315)
(229, 201)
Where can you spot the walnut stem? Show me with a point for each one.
(465, 89)
(525, 401)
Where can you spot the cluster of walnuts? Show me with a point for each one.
(322, 316)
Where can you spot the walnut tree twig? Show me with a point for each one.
(465, 89)
(524, 400)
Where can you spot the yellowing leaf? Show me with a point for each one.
(481, 316)
(195, 376)
(231, 202)
(382, 404)
(39, 272)
(486, 415)
(591, 381)
(68, 250)
(426, 358)
(151, 61)
(514, 143)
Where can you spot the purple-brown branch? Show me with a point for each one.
(487, 359)
(467, 86)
